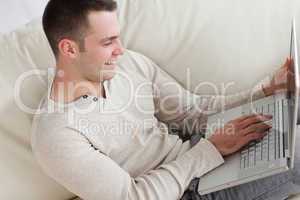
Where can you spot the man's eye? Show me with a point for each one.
(107, 43)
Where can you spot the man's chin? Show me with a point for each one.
(110, 67)
(107, 76)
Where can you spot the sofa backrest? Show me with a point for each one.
(219, 41)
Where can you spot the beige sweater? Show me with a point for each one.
(119, 147)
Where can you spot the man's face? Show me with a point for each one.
(102, 47)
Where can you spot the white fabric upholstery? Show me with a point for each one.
(220, 41)
(21, 177)
(19, 12)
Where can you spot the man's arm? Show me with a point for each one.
(183, 110)
(69, 158)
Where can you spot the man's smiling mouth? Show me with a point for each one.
(110, 62)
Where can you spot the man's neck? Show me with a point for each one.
(68, 87)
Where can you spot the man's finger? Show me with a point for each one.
(259, 128)
(254, 119)
(255, 136)
(242, 118)
(250, 137)
(288, 62)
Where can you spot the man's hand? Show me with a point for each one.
(239, 132)
(282, 80)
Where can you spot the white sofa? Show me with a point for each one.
(206, 42)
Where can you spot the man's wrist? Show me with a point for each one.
(267, 90)
(214, 144)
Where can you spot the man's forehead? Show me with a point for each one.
(103, 36)
(109, 38)
(103, 24)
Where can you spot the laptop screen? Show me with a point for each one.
(294, 94)
(294, 81)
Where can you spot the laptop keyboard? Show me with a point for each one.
(270, 147)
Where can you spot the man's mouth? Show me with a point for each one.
(110, 62)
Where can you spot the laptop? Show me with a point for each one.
(275, 152)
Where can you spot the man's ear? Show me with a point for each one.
(68, 48)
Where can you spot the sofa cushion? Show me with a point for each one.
(23, 51)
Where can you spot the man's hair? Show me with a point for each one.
(69, 19)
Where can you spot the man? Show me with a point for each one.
(106, 135)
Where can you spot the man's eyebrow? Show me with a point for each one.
(109, 38)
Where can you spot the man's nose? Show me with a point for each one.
(119, 48)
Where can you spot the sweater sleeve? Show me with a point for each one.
(186, 111)
(69, 158)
